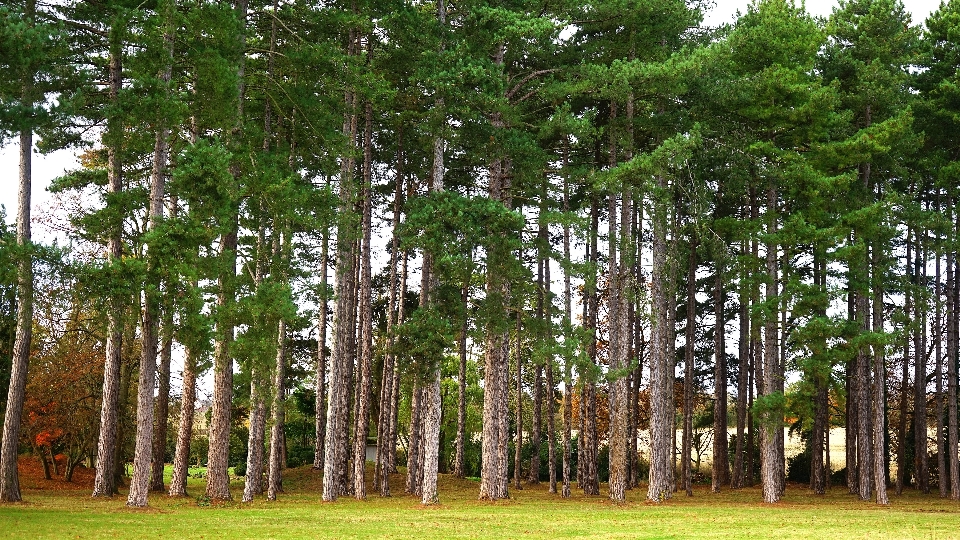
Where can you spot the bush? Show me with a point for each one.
(798, 467)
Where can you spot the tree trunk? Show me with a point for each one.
(105, 482)
(518, 437)
(493, 473)
(9, 479)
(919, 380)
(588, 438)
(661, 482)
(16, 392)
(721, 467)
(163, 406)
(320, 380)
(218, 455)
(344, 316)
(536, 424)
(771, 467)
(385, 441)
(567, 327)
(276, 461)
(879, 391)
(361, 427)
(253, 480)
(953, 333)
(181, 460)
(942, 478)
(818, 472)
(688, 368)
(739, 463)
(458, 465)
(160, 156)
(902, 467)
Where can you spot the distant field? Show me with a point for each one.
(53, 512)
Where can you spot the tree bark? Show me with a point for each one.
(163, 406)
(953, 340)
(181, 460)
(277, 459)
(344, 316)
(320, 380)
(361, 427)
(518, 436)
(218, 455)
(919, 379)
(879, 385)
(743, 368)
(771, 466)
(688, 368)
(567, 327)
(661, 482)
(105, 481)
(16, 392)
(721, 467)
(902, 467)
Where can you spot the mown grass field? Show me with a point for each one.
(50, 511)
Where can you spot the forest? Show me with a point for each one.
(602, 246)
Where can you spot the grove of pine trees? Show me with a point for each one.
(565, 242)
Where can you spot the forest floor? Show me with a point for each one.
(53, 510)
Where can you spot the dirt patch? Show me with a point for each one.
(31, 476)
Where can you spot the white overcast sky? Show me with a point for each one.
(45, 168)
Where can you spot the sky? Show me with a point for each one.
(46, 168)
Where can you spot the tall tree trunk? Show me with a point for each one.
(458, 464)
(493, 473)
(105, 482)
(362, 414)
(551, 385)
(588, 439)
(567, 326)
(218, 455)
(818, 471)
(919, 378)
(253, 480)
(953, 333)
(161, 150)
(414, 456)
(688, 368)
(390, 372)
(902, 467)
(163, 406)
(277, 451)
(943, 479)
(721, 467)
(863, 401)
(620, 340)
(536, 424)
(661, 482)
(16, 392)
(771, 467)
(433, 400)
(743, 368)
(320, 379)
(880, 466)
(518, 436)
(344, 316)
(181, 460)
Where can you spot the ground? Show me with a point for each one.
(51, 511)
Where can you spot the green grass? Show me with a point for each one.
(531, 513)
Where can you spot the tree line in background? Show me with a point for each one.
(483, 237)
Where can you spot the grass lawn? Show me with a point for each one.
(51, 511)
